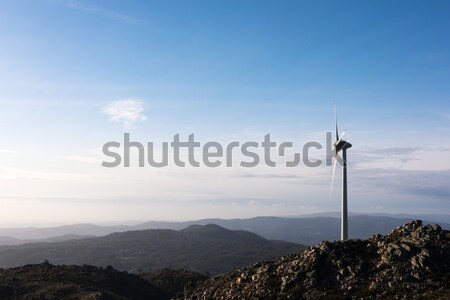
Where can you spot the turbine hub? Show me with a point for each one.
(340, 145)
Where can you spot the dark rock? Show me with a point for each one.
(411, 262)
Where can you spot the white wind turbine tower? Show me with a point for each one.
(341, 146)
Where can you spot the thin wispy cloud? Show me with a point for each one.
(434, 56)
(125, 111)
(444, 115)
(403, 154)
(274, 176)
(403, 158)
(432, 184)
(8, 151)
(83, 159)
(32, 174)
(96, 10)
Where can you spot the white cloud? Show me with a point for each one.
(125, 111)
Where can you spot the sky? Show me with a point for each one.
(75, 75)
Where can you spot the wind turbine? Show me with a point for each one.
(341, 146)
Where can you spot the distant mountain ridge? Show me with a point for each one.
(436, 218)
(39, 233)
(307, 230)
(6, 240)
(209, 248)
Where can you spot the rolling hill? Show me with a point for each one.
(46, 281)
(208, 248)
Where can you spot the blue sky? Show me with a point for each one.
(225, 70)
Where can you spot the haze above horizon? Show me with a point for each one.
(77, 74)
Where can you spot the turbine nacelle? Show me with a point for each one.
(341, 144)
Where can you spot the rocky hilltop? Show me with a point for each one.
(411, 262)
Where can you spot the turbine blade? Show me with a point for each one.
(332, 178)
(335, 121)
(342, 136)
